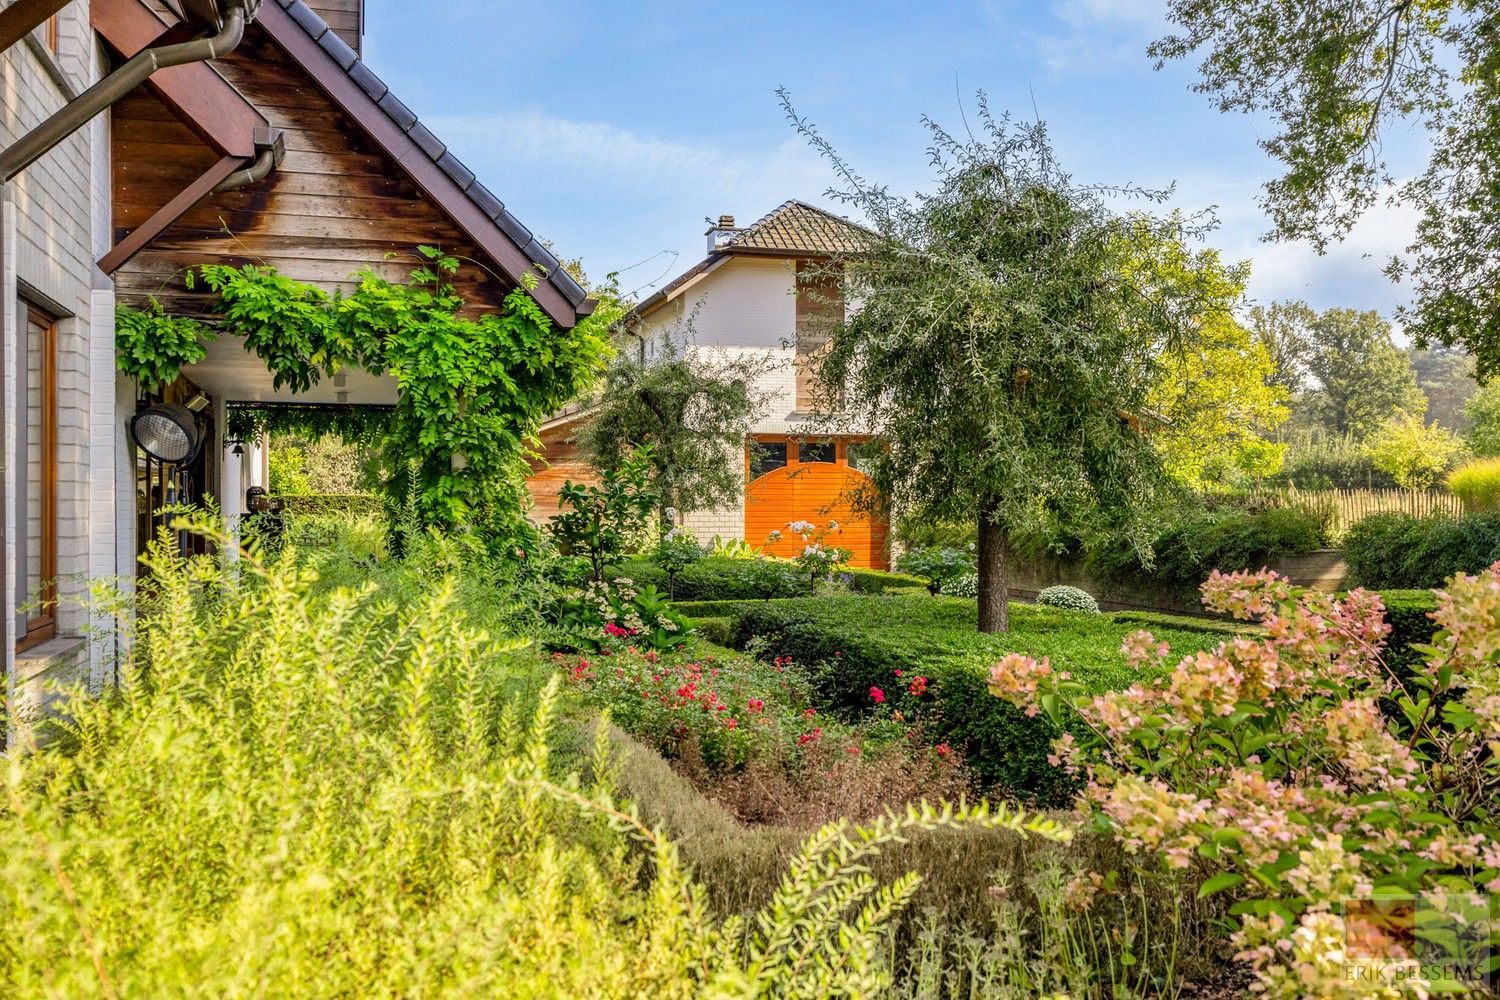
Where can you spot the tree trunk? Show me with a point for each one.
(994, 586)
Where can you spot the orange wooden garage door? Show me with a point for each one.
(813, 491)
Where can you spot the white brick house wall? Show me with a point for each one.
(56, 223)
(746, 306)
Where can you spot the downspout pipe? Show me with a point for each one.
(270, 145)
(79, 112)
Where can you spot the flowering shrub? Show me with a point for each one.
(616, 610)
(940, 566)
(1298, 770)
(818, 560)
(1070, 598)
(726, 710)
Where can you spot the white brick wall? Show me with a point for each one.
(58, 223)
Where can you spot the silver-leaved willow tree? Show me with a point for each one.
(1009, 325)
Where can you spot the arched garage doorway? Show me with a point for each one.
(791, 481)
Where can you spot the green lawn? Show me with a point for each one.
(850, 644)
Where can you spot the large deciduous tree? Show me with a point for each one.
(1359, 378)
(1338, 79)
(1217, 391)
(692, 406)
(1342, 367)
(1010, 327)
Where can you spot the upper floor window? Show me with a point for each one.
(820, 308)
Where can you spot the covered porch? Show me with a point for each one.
(229, 464)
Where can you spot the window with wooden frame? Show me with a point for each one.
(36, 442)
(820, 308)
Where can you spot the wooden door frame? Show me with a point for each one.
(41, 624)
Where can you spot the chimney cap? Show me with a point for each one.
(726, 222)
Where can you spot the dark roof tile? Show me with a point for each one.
(368, 81)
(431, 144)
(566, 284)
(454, 167)
(403, 116)
(486, 200)
(308, 18)
(539, 254)
(513, 228)
(343, 53)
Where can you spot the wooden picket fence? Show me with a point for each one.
(1349, 506)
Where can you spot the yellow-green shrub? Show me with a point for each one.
(1477, 484)
(338, 792)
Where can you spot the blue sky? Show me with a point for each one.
(615, 129)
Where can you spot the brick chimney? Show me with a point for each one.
(345, 17)
(722, 232)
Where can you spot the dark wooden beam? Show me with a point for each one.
(23, 16)
(169, 213)
(198, 94)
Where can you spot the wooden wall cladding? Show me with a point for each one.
(333, 207)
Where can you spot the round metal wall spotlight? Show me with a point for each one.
(168, 433)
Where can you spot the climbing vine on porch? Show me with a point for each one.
(152, 346)
(472, 392)
(351, 424)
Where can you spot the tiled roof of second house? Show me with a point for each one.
(797, 227)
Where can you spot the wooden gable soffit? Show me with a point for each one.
(23, 16)
(200, 96)
(335, 80)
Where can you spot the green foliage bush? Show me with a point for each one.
(1399, 551)
(338, 504)
(851, 644)
(1331, 463)
(1408, 612)
(874, 581)
(717, 630)
(1195, 542)
(317, 790)
(1477, 484)
(720, 578)
(939, 565)
(1070, 598)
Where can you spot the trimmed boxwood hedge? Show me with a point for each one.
(716, 630)
(717, 578)
(850, 644)
(1408, 612)
(1394, 550)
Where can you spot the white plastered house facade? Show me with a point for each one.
(63, 482)
(751, 294)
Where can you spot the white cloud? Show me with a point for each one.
(1349, 274)
(1100, 35)
(591, 169)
